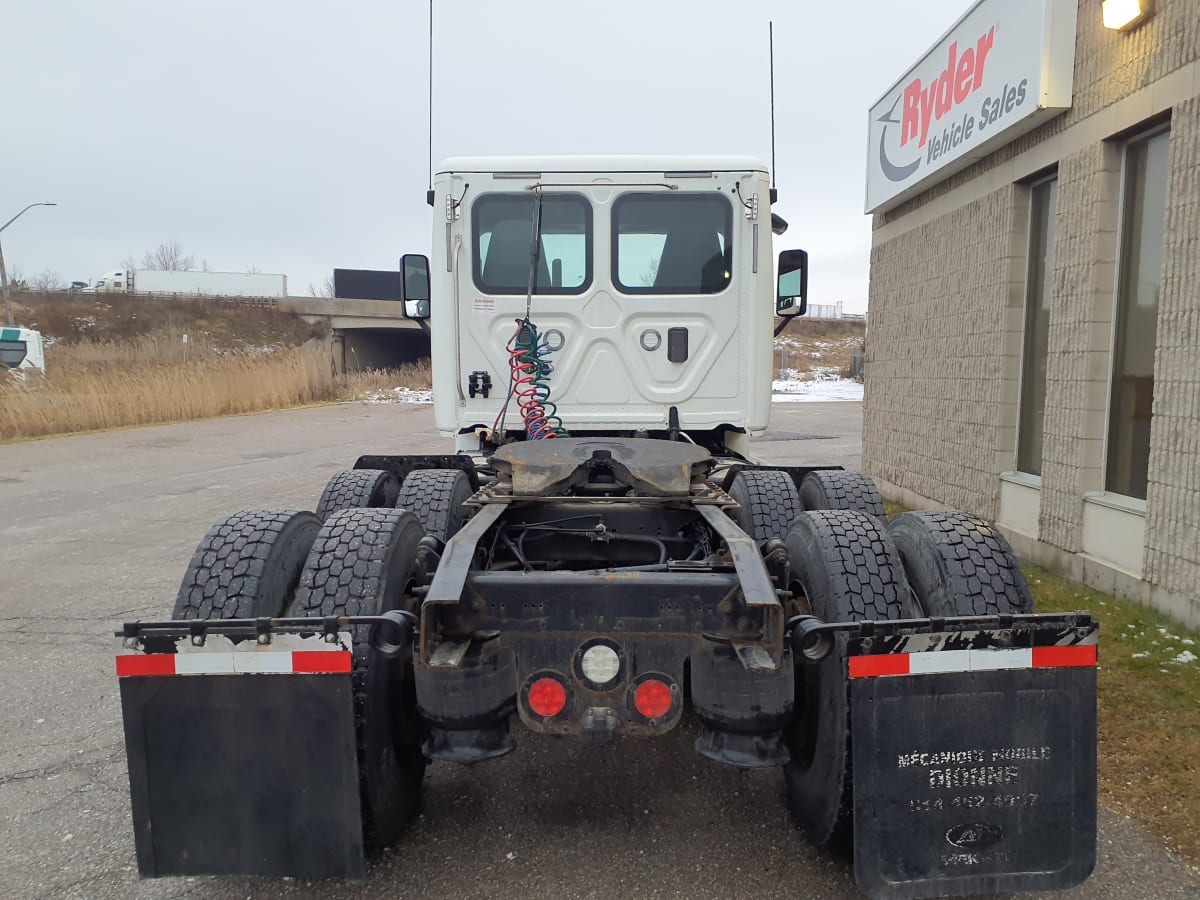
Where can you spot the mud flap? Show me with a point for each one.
(242, 762)
(974, 770)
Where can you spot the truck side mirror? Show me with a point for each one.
(414, 285)
(791, 297)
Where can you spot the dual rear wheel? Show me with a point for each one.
(356, 556)
(769, 500)
(848, 564)
(434, 496)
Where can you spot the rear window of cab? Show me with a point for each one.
(502, 240)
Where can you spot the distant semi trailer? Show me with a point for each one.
(212, 284)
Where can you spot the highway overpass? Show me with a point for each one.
(363, 334)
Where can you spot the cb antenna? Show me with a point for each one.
(771, 46)
(429, 190)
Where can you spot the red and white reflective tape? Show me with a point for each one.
(270, 662)
(941, 661)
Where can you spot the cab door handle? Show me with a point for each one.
(677, 344)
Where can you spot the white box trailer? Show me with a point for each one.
(208, 284)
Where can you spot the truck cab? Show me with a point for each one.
(652, 292)
(21, 351)
(109, 282)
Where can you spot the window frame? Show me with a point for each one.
(1030, 187)
(23, 349)
(650, 290)
(589, 232)
(1139, 137)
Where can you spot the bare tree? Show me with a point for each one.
(129, 262)
(252, 270)
(325, 290)
(169, 257)
(46, 281)
(16, 280)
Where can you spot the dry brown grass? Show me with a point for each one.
(361, 385)
(91, 386)
(105, 318)
(1148, 706)
(825, 345)
(114, 361)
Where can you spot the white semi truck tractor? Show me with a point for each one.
(598, 555)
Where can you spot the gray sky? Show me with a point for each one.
(292, 135)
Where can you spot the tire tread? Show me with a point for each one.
(769, 501)
(435, 497)
(225, 578)
(835, 489)
(357, 489)
(980, 571)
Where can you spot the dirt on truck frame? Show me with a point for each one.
(601, 556)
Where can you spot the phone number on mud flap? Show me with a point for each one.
(974, 801)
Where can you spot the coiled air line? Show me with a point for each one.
(529, 361)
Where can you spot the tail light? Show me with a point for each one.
(653, 698)
(547, 697)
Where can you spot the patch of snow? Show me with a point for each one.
(818, 390)
(1135, 656)
(400, 395)
(1187, 656)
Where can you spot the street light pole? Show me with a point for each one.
(3, 272)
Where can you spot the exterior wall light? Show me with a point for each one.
(1121, 15)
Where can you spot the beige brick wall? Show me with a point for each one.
(1173, 498)
(1080, 339)
(935, 369)
(946, 300)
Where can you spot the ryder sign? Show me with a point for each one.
(1005, 67)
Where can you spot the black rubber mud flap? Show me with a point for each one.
(244, 775)
(975, 781)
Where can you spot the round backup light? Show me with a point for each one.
(547, 697)
(600, 664)
(653, 698)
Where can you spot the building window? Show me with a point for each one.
(1139, 282)
(1039, 276)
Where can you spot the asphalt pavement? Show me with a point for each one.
(97, 529)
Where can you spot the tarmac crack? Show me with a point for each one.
(115, 752)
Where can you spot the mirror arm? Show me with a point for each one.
(782, 326)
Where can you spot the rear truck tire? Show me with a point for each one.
(363, 564)
(247, 566)
(358, 489)
(767, 502)
(834, 489)
(436, 497)
(958, 565)
(843, 562)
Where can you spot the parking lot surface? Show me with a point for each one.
(97, 529)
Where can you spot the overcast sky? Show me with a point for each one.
(291, 135)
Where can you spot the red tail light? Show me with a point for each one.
(547, 697)
(653, 698)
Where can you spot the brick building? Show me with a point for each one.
(1034, 345)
